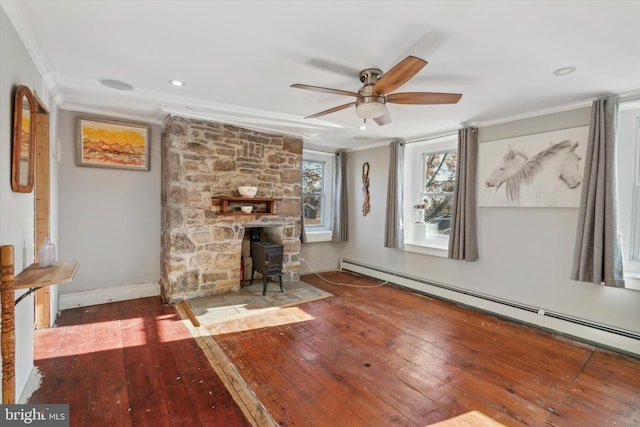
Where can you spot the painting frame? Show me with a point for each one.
(114, 144)
(557, 193)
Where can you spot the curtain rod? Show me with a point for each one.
(625, 102)
(630, 98)
(622, 100)
(314, 151)
(443, 135)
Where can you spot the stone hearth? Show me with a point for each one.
(201, 161)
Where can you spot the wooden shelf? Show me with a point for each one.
(32, 278)
(269, 202)
(250, 199)
(245, 214)
(36, 277)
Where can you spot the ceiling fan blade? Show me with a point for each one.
(325, 89)
(398, 75)
(331, 110)
(333, 67)
(384, 119)
(423, 98)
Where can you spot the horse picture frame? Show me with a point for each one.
(539, 170)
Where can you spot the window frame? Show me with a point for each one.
(635, 208)
(628, 165)
(415, 153)
(322, 232)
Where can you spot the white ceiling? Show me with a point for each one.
(238, 59)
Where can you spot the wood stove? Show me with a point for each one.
(267, 260)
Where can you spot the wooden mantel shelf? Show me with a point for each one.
(269, 205)
(36, 277)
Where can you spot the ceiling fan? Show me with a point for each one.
(371, 99)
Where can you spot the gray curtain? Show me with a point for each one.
(597, 256)
(340, 231)
(463, 243)
(393, 227)
(303, 233)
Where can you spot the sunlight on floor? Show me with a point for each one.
(473, 418)
(73, 340)
(113, 335)
(249, 309)
(264, 318)
(219, 314)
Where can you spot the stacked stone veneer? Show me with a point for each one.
(201, 249)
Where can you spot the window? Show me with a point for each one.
(435, 204)
(430, 170)
(628, 168)
(313, 187)
(635, 211)
(317, 194)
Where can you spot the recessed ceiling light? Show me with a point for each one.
(177, 82)
(116, 84)
(564, 71)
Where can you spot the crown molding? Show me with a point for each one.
(13, 11)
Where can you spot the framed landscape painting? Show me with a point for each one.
(112, 144)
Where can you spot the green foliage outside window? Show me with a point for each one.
(437, 196)
(312, 191)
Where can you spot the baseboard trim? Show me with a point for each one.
(33, 383)
(107, 295)
(602, 335)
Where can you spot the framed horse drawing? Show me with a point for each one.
(539, 170)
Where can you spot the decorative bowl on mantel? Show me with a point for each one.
(247, 191)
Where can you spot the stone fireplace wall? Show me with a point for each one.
(202, 160)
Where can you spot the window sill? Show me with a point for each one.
(426, 250)
(318, 236)
(632, 282)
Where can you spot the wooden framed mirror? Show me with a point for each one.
(24, 141)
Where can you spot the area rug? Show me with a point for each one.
(249, 301)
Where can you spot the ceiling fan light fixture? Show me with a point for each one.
(370, 110)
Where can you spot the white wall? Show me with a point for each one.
(16, 209)
(525, 253)
(110, 223)
(319, 257)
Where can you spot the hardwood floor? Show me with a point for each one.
(385, 356)
(130, 363)
(377, 356)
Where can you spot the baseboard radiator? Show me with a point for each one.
(602, 335)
